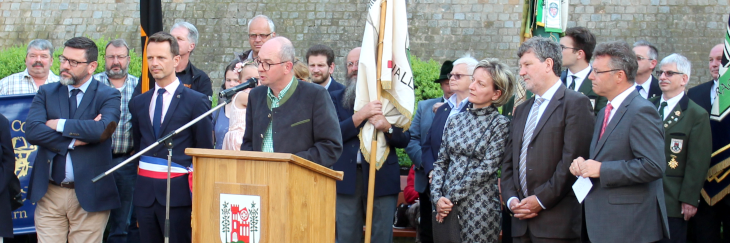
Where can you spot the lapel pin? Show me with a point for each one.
(178, 96)
(677, 113)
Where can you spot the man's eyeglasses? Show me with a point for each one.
(600, 72)
(262, 36)
(669, 74)
(562, 47)
(117, 57)
(264, 65)
(351, 64)
(640, 58)
(457, 76)
(73, 63)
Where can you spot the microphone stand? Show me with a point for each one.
(167, 140)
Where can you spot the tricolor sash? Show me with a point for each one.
(156, 168)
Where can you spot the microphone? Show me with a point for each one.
(228, 93)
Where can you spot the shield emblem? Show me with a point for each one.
(676, 145)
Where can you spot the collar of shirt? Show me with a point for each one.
(644, 92)
(83, 87)
(616, 102)
(275, 99)
(102, 77)
(548, 95)
(671, 103)
(166, 99)
(713, 91)
(452, 102)
(250, 55)
(187, 69)
(52, 77)
(581, 76)
(327, 87)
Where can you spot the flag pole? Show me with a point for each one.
(374, 143)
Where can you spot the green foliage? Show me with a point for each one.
(226, 222)
(12, 60)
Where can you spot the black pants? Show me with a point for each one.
(425, 231)
(152, 223)
(506, 225)
(677, 231)
(709, 220)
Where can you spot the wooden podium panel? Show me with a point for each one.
(297, 196)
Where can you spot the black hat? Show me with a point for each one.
(445, 70)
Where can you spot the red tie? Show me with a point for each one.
(606, 114)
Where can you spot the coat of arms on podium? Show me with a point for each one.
(240, 220)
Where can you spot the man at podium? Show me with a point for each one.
(284, 112)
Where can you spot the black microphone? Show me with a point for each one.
(229, 93)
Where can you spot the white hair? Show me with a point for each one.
(192, 31)
(683, 64)
(272, 28)
(471, 63)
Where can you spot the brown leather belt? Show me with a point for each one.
(69, 185)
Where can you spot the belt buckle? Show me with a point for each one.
(67, 184)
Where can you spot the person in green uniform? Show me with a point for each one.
(688, 144)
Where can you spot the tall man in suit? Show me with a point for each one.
(626, 163)
(646, 56)
(284, 107)
(687, 144)
(714, 209)
(321, 63)
(419, 129)
(578, 44)
(548, 132)
(352, 190)
(154, 114)
(71, 122)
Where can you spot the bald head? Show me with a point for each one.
(352, 62)
(716, 60)
(281, 47)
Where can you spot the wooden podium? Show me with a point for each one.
(297, 197)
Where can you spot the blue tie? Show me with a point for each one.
(639, 88)
(58, 170)
(157, 120)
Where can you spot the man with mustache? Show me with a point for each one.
(38, 61)
(321, 63)
(352, 190)
(70, 122)
(260, 29)
(116, 76)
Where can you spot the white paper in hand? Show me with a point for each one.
(581, 187)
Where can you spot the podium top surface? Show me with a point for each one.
(263, 156)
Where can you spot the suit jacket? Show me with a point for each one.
(430, 149)
(561, 135)
(186, 105)
(306, 112)
(7, 174)
(626, 204)
(419, 128)
(586, 88)
(335, 86)
(687, 149)
(51, 102)
(387, 180)
(654, 90)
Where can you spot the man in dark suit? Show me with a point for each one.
(713, 213)
(626, 163)
(154, 114)
(646, 56)
(687, 140)
(7, 178)
(578, 44)
(70, 122)
(283, 108)
(352, 190)
(548, 132)
(419, 129)
(321, 63)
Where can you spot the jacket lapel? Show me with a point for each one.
(171, 109)
(586, 87)
(556, 101)
(676, 114)
(87, 98)
(615, 120)
(520, 120)
(63, 100)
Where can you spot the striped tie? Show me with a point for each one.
(526, 138)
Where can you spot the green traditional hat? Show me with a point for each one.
(445, 70)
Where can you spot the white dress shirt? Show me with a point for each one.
(580, 77)
(616, 102)
(671, 103)
(62, 122)
(644, 92)
(166, 99)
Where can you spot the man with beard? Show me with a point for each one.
(70, 122)
(352, 190)
(116, 76)
(38, 61)
(321, 62)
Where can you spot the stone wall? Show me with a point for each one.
(439, 29)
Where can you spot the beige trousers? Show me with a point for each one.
(59, 216)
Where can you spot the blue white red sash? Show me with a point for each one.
(156, 168)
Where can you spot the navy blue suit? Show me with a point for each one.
(51, 102)
(387, 179)
(149, 194)
(7, 176)
(435, 134)
(334, 86)
(419, 130)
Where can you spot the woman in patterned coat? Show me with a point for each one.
(465, 173)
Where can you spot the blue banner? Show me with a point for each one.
(15, 108)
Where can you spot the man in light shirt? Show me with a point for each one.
(38, 61)
(578, 44)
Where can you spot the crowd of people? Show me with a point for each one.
(498, 152)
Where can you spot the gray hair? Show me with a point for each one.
(192, 31)
(502, 78)
(118, 43)
(287, 52)
(40, 44)
(653, 51)
(683, 65)
(544, 48)
(470, 62)
(622, 57)
(272, 28)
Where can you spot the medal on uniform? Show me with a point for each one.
(676, 145)
(673, 163)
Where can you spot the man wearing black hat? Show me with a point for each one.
(419, 128)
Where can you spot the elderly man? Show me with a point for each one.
(321, 62)
(38, 61)
(283, 108)
(687, 147)
(626, 162)
(646, 56)
(116, 76)
(260, 29)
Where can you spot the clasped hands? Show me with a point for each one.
(585, 168)
(525, 209)
(53, 124)
(443, 207)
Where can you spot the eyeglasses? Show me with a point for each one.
(669, 74)
(640, 58)
(73, 63)
(600, 72)
(565, 47)
(351, 64)
(262, 36)
(457, 76)
(117, 57)
(265, 65)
